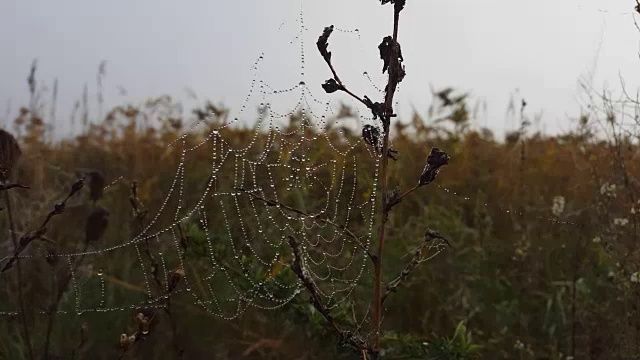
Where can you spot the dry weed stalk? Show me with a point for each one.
(391, 55)
(145, 318)
(9, 155)
(97, 223)
(95, 227)
(8, 158)
(38, 234)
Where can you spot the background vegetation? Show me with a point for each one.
(544, 262)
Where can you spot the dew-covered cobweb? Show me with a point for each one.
(292, 172)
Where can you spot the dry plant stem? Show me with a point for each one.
(342, 228)
(126, 351)
(23, 314)
(388, 105)
(26, 239)
(302, 273)
(401, 197)
(393, 285)
(343, 87)
(58, 209)
(385, 116)
(139, 215)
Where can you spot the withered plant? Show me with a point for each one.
(378, 138)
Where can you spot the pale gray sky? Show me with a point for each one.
(155, 47)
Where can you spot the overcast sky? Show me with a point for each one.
(155, 47)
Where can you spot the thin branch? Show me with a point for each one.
(393, 285)
(5, 187)
(335, 84)
(342, 228)
(299, 268)
(139, 213)
(27, 238)
(388, 110)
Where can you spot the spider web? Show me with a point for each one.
(260, 189)
(289, 173)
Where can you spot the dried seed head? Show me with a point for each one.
(139, 317)
(77, 186)
(331, 86)
(97, 223)
(323, 44)
(371, 135)
(145, 312)
(9, 154)
(143, 323)
(436, 159)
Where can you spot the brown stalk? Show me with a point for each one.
(299, 268)
(339, 85)
(27, 238)
(391, 55)
(388, 108)
(140, 213)
(21, 244)
(393, 285)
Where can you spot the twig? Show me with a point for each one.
(393, 285)
(299, 268)
(392, 62)
(335, 84)
(5, 187)
(342, 228)
(27, 238)
(140, 213)
(391, 54)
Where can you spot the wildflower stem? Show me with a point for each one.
(388, 106)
